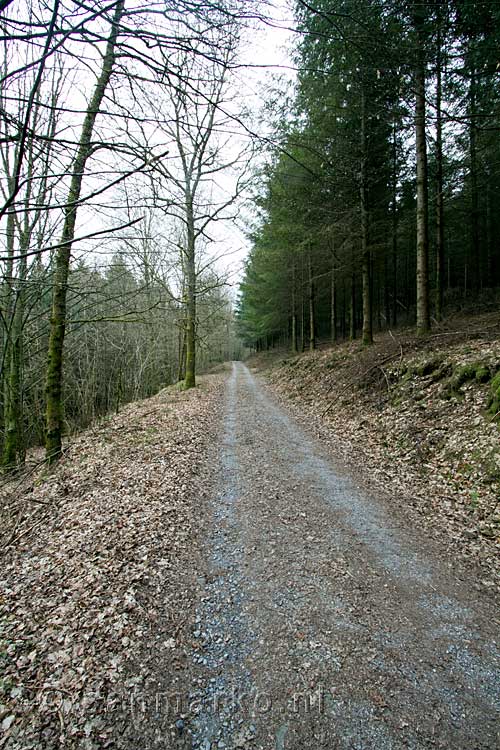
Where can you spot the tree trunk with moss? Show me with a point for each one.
(7, 307)
(475, 254)
(190, 378)
(14, 447)
(54, 375)
(181, 369)
(352, 308)
(181, 342)
(13, 451)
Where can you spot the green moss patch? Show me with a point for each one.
(494, 397)
(477, 372)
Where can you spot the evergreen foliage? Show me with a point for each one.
(340, 189)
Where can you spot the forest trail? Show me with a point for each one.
(326, 621)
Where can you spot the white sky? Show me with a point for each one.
(266, 54)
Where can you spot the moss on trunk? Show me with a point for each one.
(54, 377)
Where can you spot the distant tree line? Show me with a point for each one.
(125, 340)
(380, 200)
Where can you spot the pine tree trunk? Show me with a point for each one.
(54, 375)
(475, 254)
(312, 317)
(295, 347)
(302, 311)
(439, 187)
(333, 303)
(394, 229)
(387, 304)
(367, 335)
(490, 244)
(423, 313)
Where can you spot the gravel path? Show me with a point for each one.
(326, 622)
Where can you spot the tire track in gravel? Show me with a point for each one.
(325, 622)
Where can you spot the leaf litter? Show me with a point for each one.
(97, 575)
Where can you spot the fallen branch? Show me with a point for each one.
(13, 539)
(386, 378)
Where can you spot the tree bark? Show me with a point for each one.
(190, 378)
(333, 303)
(367, 335)
(423, 313)
(14, 447)
(12, 433)
(352, 309)
(54, 375)
(312, 317)
(302, 309)
(181, 369)
(394, 228)
(439, 181)
(343, 326)
(7, 309)
(475, 254)
(295, 347)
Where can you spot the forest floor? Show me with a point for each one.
(98, 575)
(203, 571)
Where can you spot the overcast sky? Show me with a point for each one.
(265, 55)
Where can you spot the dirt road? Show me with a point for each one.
(325, 621)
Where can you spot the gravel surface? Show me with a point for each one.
(325, 618)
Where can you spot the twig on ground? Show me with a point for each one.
(400, 350)
(386, 378)
(15, 539)
(357, 380)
